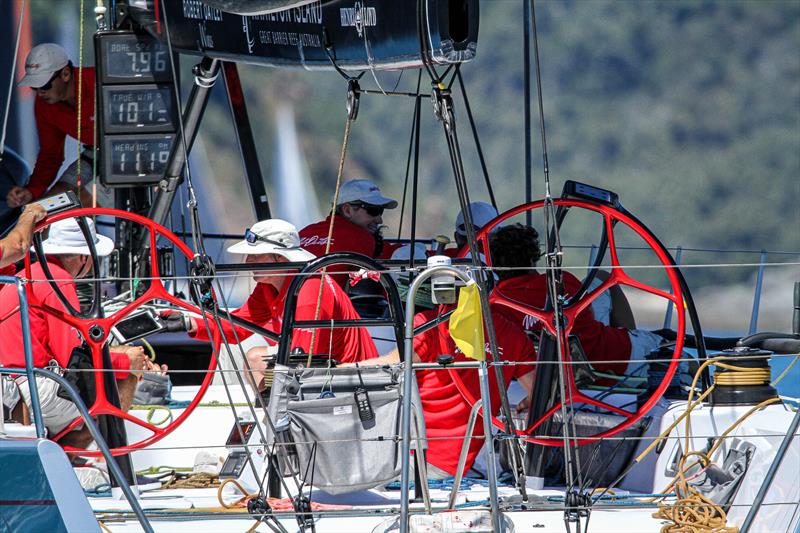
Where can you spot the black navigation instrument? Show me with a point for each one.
(128, 57)
(136, 158)
(137, 109)
(145, 108)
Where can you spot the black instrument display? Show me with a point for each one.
(129, 57)
(133, 158)
(142, 108)
(137, 109)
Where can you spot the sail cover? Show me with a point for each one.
(361, 34)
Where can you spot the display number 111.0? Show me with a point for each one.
(142, 165)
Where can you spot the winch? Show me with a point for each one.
(742, 377)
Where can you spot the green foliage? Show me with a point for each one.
(689, 109)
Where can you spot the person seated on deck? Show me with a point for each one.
(445, 407)
(68, 257)
(15, 245)
(517, 247)
(357, 223)
(277, 241)
(482, 213)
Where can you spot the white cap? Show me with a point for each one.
(482, 213)
(42, 62)
(66, 237)
(273, 236)
(364, 191)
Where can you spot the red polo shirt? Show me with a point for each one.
(600, 342)
(51, 338)
(54, 122)
(347, 237)
(265, 308)
(446, 410)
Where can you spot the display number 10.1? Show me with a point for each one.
(142, 62)
(129, 113)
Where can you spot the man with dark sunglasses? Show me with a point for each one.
(50, 73)
(357, 223)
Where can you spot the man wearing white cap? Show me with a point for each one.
(50, 73)
(277, 241)
(357, 223)
(68, 257)
(482, 213)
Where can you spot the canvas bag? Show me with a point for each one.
(349, 456)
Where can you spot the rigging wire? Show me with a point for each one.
(555, 289)
(410, 148)
(11, 80)
(477, 140)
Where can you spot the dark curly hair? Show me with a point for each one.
(514, 246)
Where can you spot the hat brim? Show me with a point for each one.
(379, 199)
(295, 255)
(104, 246)
(37, 80)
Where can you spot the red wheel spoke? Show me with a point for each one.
(612, 242)
(582, 398)
(544, 418)
(648, 288)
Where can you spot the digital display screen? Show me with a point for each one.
(131, 57)
(235, 438)
(136, 158)
(135, 108)
(137, 326)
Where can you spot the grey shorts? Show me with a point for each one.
(57, 413)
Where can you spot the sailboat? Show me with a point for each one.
(670, 445)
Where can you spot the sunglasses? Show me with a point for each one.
(254, 238)
(461, 229)
(49, 85)
(372, 210)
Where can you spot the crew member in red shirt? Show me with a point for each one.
(50, 73)
(277, 241)
(15, 245)
(357, 223)
(53, 339)
(445, 405)
(517, 246)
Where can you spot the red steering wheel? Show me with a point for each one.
(95, 331)
(618, 276)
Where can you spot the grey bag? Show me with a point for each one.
(321, 436)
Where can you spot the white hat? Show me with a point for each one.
(43, 61)
(273, 236)
(482, 213)
(66, 237)
(364, 191)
